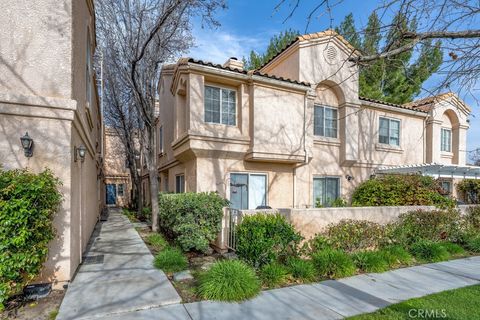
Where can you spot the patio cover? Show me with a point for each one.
(435, 170)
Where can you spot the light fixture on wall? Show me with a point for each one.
(349, 177)
(27, 144)
(79, 152)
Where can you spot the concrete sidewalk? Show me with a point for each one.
(117, 275)
(332, 299)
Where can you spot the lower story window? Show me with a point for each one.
(180, 183)
(248, 190)
(446, 187)
(121, 190)
(325, 191)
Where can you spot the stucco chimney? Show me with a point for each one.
(233, 63)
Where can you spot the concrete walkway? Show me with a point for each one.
(117, 275)
(332, 299)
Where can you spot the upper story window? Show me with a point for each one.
(160, 139)
(220, 105)
(325, 121)
(446, 140)
(389, 131)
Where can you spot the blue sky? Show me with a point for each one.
(248, 25)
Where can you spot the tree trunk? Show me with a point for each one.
(153, 175)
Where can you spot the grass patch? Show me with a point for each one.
(229, 280)
(302, 270)
(156, 241)
(461, 303)
(474, 244)
(396, 256)
(170, 260)
(333, 263)
(273, 274)
(370, 261)
(53, 315)
(453, 248)
(429, 251)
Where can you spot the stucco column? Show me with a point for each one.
(433, 141)
(461, 157)
(349, 132)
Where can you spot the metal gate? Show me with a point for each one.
(233, 219)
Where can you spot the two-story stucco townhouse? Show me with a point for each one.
(294, 131)
(48, 89)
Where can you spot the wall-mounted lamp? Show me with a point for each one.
(349, 177)
(27, 144)
(79, 152)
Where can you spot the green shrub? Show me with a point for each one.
(193, 220)
(473, 244)
(229, 280)
(429, 251)
(337, 203)
(470, 189)
(333, 263)
(265, 238)
(317, 243)
(353, 235)
(157, 241)
(472, 218)
(370, 261)
(129, 214)
(453, 248)
(170, 260)
(434, 225)
(273, 274)
(301, 269)
(396, 255)
(400, 190)
(28, 203)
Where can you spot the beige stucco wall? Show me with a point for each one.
(42, 91)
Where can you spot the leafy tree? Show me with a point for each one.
(277, 44)
(395, 79)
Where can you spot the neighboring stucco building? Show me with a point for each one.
(48, 89)
(294, 131)
(118, 185)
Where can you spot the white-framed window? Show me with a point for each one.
(89, 69)
(325, 191)
(446, 186)
(180, 183)
(446, 140)
(389, 131)
(248, 190)
(121, 190)
(325, 121)
(160, 139)
(220, 105)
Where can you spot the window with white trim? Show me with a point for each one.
(325, 191)
(389, 131)
(121, 190)
(325, 121)
(220, 106)
(446, 140)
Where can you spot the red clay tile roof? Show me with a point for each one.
(392, 104)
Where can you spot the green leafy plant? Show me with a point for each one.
(301, 269)
(353, 235)
(470, 189)
(229, 280)
(28, 203)
(129, 214)
(333, 263)
(193, 220)
(265, 238)
(317, 243)
(453, 248)
(157, 241)
(473, 244)
(429, 251)
(170, 260)
(472, 218)
(370, 261)
(400, 190)
(273, 274)
(335, 203)
(396, 255)
(433, 225)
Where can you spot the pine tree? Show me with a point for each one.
(397, 79)
(277, 44)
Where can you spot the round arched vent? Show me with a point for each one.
(330, 54)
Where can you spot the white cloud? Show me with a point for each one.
(218, 45)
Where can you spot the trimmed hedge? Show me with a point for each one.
(265, 238)
(191, 219)
(28, 203)
(400, 190)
